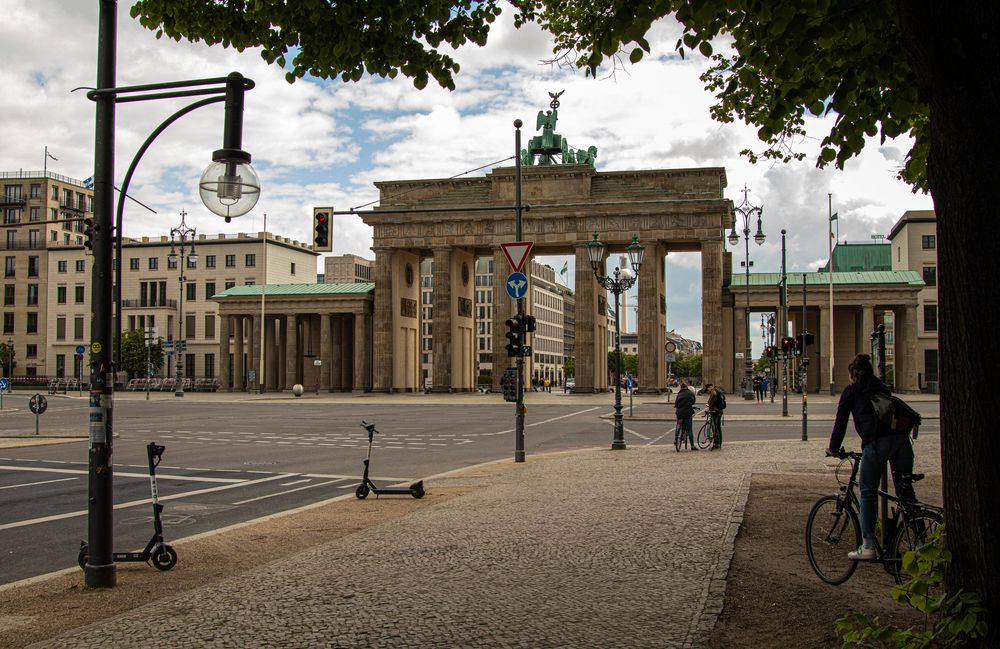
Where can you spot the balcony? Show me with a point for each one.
(149, 304)
(73, 205)
(22, 245)
(12, 200)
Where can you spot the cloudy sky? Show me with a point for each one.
(321, 142)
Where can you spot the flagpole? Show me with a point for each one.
(829, 241)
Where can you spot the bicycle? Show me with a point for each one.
(680, 435)
(706, 434)
(833, 528)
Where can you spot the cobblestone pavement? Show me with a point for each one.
(597, 548)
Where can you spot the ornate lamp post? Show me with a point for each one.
(748, 212)
(185, 234)
(621, 280)
(767, 328)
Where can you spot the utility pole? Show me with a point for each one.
(783, 328)
(519, 406)
(805, 368)
(830, 278)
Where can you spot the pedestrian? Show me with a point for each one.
(716, 404)
(879, 444)
(765, 386)
(758, 387)
(684, 409)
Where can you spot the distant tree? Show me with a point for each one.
(688, 365)
(569, 367)
(630, 364)
(134, 354)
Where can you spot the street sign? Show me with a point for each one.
(318, 362)
(80, 349)
(739, 354)
(670, 347)
(517, 285)
(167, 345)
(79, 357)
(516, 253)
(671, 358)
(4, 384)
(38, 404)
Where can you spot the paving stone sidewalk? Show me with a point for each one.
(597, 548)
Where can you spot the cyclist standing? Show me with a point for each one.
(879, 444)
(716, 404)
(684, 407)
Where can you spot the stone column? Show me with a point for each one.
(325, 351)
(823, 380)
(905, 361)
(256, 342)
(362, 343)
(282, 349)
(270, 355)
(239, 371)
(503, 308)
(867, 326)
(291, 350)
(337, 353)
(224, 328)
(711, 311)
(441, 333)
(651, 324)
(382, 379)
(586, 331)
(345, 329)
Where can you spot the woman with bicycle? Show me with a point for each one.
(879, 444)
(684, 408)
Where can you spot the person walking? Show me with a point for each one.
(879, 444)
(758, 387)
(716, 404)
(684, 409)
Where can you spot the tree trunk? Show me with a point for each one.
(956, 55)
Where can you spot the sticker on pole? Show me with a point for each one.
(516, 285)
(516, 253)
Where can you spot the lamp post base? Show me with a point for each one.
(100, 576)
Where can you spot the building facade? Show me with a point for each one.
(914, 248)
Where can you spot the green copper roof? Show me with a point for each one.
(823, 279)
(861, 257)
(286, 290)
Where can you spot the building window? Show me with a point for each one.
(251, 260)
(189, 326)
(35, 214)
(32, 266)
(8, 323)
(78, 294)
(249, 282)
(230, 261)
(154, 263)
(60, 328)
(191, 290)
(10, 265)
(32, 294)
(293, 268)
(133, 263)
(930, 275)
(192, 262)
(928, 242)
(61, 266)
(171, 263)
(189, 366)
(210, 325)
(31, 351)
(930, 317)
(36, 190)
(930, 365)
(209, 290)
(209, 366)
(209, 261)
(60, 365)
(32, 327)
(8, 295)
(229, 285)
(78, 328)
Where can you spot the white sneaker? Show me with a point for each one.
(862, 554)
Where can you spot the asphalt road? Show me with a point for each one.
(229, 462)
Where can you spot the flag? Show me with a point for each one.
(88, 183)
(50, 155)
(834, 216)
(565, 268)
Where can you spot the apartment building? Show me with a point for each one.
(158, 292)
(347, 269)
(42, 212)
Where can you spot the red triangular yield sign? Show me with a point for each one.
(516, 252)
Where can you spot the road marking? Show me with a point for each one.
(289, 484)
(628, 430)
(123, 474)
(32, 484)
(282, 493)
(537, 423)
(145, 501)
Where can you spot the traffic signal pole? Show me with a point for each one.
(783, 329)
(805, 371)
(519, 406)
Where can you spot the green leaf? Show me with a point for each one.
(636, 55)
(828, 154)
(705, 48)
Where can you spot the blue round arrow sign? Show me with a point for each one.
(517, 285)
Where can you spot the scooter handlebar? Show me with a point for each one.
(155, 453)
(369, 427)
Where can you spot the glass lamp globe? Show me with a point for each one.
(229, 189)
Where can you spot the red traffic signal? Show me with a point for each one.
(321, 229)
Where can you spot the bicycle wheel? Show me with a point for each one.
(912, 535)
(832, 530)
(704, 439)
(678, 431)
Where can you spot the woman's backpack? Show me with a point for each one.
(895, 413)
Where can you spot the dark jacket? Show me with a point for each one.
(684, 404)
(856, 402)
(714, 399)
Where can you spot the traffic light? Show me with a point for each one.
(769, 351)
(88, 234)
(806, 339)
(508, 384)
(515, 340)
(788, 345)
(321, 229)
(529, 323)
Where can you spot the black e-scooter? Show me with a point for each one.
(416, 489)
(161, 555)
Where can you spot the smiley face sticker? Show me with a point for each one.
(95, 348)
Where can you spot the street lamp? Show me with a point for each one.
(748, 212)
(185, 234)
(767, 327)
(621, 280)
(9, 360)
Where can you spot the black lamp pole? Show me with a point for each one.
(747, 211)
(618, 283)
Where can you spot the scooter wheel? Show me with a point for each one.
(83, 557)
(362, 492)
(164, 557)
(417, 492)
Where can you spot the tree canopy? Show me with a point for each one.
(134, 354)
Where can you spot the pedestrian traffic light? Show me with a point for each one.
(88, 234)
(515, 339)
(788, 345)
(769, 351)
(529, 323)
(508, 384)
(321, 229)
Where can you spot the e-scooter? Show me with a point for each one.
(161, 555)
(416, 489)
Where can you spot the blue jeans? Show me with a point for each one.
(688, 427)
(897, 451)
